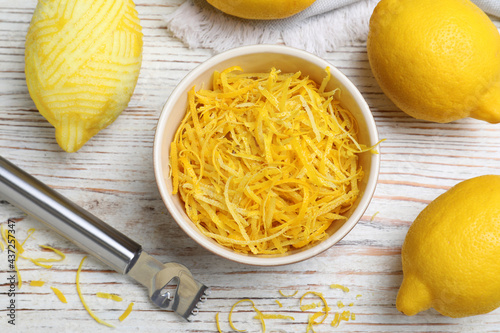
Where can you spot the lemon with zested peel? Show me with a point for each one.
(261, 9)
(82, 64)
(436, 60)
(451, 254)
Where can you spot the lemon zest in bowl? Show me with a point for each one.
(266, 162)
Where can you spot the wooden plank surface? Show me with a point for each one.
(112, 177)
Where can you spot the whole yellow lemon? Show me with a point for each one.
(451, 254)
(261, 9)
(436, 60)
(82, 64)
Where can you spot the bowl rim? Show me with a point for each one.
(186, 82)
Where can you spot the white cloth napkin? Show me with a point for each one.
(324, 26)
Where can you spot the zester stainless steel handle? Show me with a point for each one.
(73, 222)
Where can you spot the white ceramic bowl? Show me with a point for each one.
(260, 58)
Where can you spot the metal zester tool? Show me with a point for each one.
(171, 286)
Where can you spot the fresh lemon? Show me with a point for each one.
(436, 60)
(451, 254)
(261, 9)
(82, 64)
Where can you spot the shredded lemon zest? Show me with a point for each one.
(39, 261)
(59, 294)
(279, 303)
(339, 286)
(340, 305)
(78, 289)
(36, 262)
(336, 320)
(259, 315)
(345, 315)
(37, 283)
(282, 294)
(373, 216)
(266, 163)
(19, 246)
(56, 251)
(308, 307)
(19, 249)
(312, 318)
(358, 296)
(29, 233)
(127, 311)
(113, 297)
(217, 322)
(273, 316)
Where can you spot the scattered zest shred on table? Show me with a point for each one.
(59, 294)
(282, 294)
(217, 322)
(259, 315)
(127, 311)
(373, 216)
(38, 261)
(113, 297)
(308, 307)
(18, 249)
(345, 315)
(37, 283)
(266, 162)
(273, 316)
(339, 286)
(97, 319)
(312, 319)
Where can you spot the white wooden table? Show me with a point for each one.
(112, 177)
